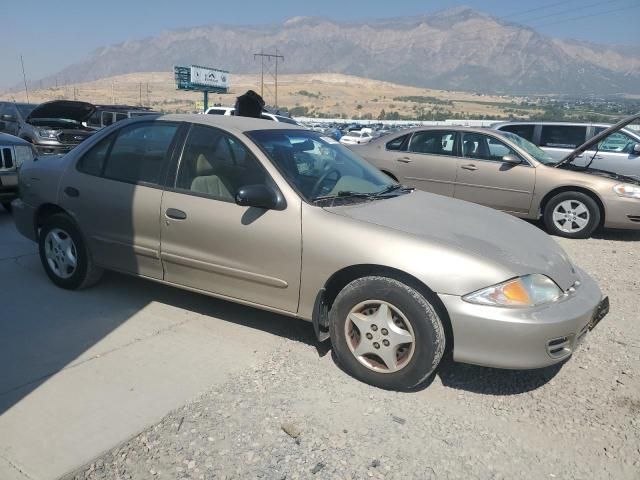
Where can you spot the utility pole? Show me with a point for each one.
(148, 102)
(24, 77)
(275, 57)
(140, 85)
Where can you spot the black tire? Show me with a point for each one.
(428, 331)
(584, 199)
(85, 273)
(7, 206)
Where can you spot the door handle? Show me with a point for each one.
(176, 214)
(404, 159)
(72, 192)
(470, 166)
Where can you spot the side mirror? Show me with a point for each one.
(511, 159)
(636, 149)
(259, 196)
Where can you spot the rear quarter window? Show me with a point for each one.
(562, 136)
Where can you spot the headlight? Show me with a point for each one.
(46, 133)
(627, 190)
(527, 291)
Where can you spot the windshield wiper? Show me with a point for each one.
(394, 188)
(343, 194)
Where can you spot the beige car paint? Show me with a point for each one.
(521, 189)
(283, 260)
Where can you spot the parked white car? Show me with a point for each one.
(356, 137)
(265, 115)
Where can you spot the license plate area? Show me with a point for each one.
(601, 311)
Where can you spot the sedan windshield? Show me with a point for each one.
(321, 169)
(537, 153)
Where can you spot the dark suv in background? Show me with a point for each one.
(619, 153)
(51, 127)
(13, 115)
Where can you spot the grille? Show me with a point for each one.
(559, 347)
(72, 138)
(6, 159)
(634, 218)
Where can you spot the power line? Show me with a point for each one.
(543, 7)
(571, 10)
(571, 19)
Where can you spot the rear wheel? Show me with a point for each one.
(572, 215)
(64, 255)
(386, 333)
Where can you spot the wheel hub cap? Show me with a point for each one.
(380, 336)
(61, 253)
(571, 216)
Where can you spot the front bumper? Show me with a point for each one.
(43, 149)
(8, 186)
(522, 338)
(24, 218)
(622, 213)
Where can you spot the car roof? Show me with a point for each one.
(569, 124)
(231, 122)
(449, 128)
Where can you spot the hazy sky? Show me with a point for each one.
(52, 35)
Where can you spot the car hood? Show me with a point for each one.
(598, 138)
(509, 242)
(67, 109)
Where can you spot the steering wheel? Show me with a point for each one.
(317, 186)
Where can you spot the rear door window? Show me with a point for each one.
(435, 142)
(524, 131)
(563, 136)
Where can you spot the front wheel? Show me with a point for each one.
(64, 255)
(572, 215)
(386, 333)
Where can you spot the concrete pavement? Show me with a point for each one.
(81, 372)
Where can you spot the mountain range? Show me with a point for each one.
(459, 49)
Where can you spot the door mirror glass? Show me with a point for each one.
(259, 196)
(512, 159)
(636, 149)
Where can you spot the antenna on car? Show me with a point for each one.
(24, 77)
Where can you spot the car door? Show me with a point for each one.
(212, 244)
(615, 154)
(115, 191)
(560, 140)
(483, 177)
(429, 162)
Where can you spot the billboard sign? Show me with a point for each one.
(209, 77)
(203, 79)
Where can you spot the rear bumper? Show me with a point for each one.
(23, 216)
(522, 338)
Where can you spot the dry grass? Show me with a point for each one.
(328, 94)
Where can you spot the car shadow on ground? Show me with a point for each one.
(494, 381)
(602, 233)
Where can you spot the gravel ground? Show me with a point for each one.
(299, 416)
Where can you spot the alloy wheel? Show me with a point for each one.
(61, 253)
(571, 216)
